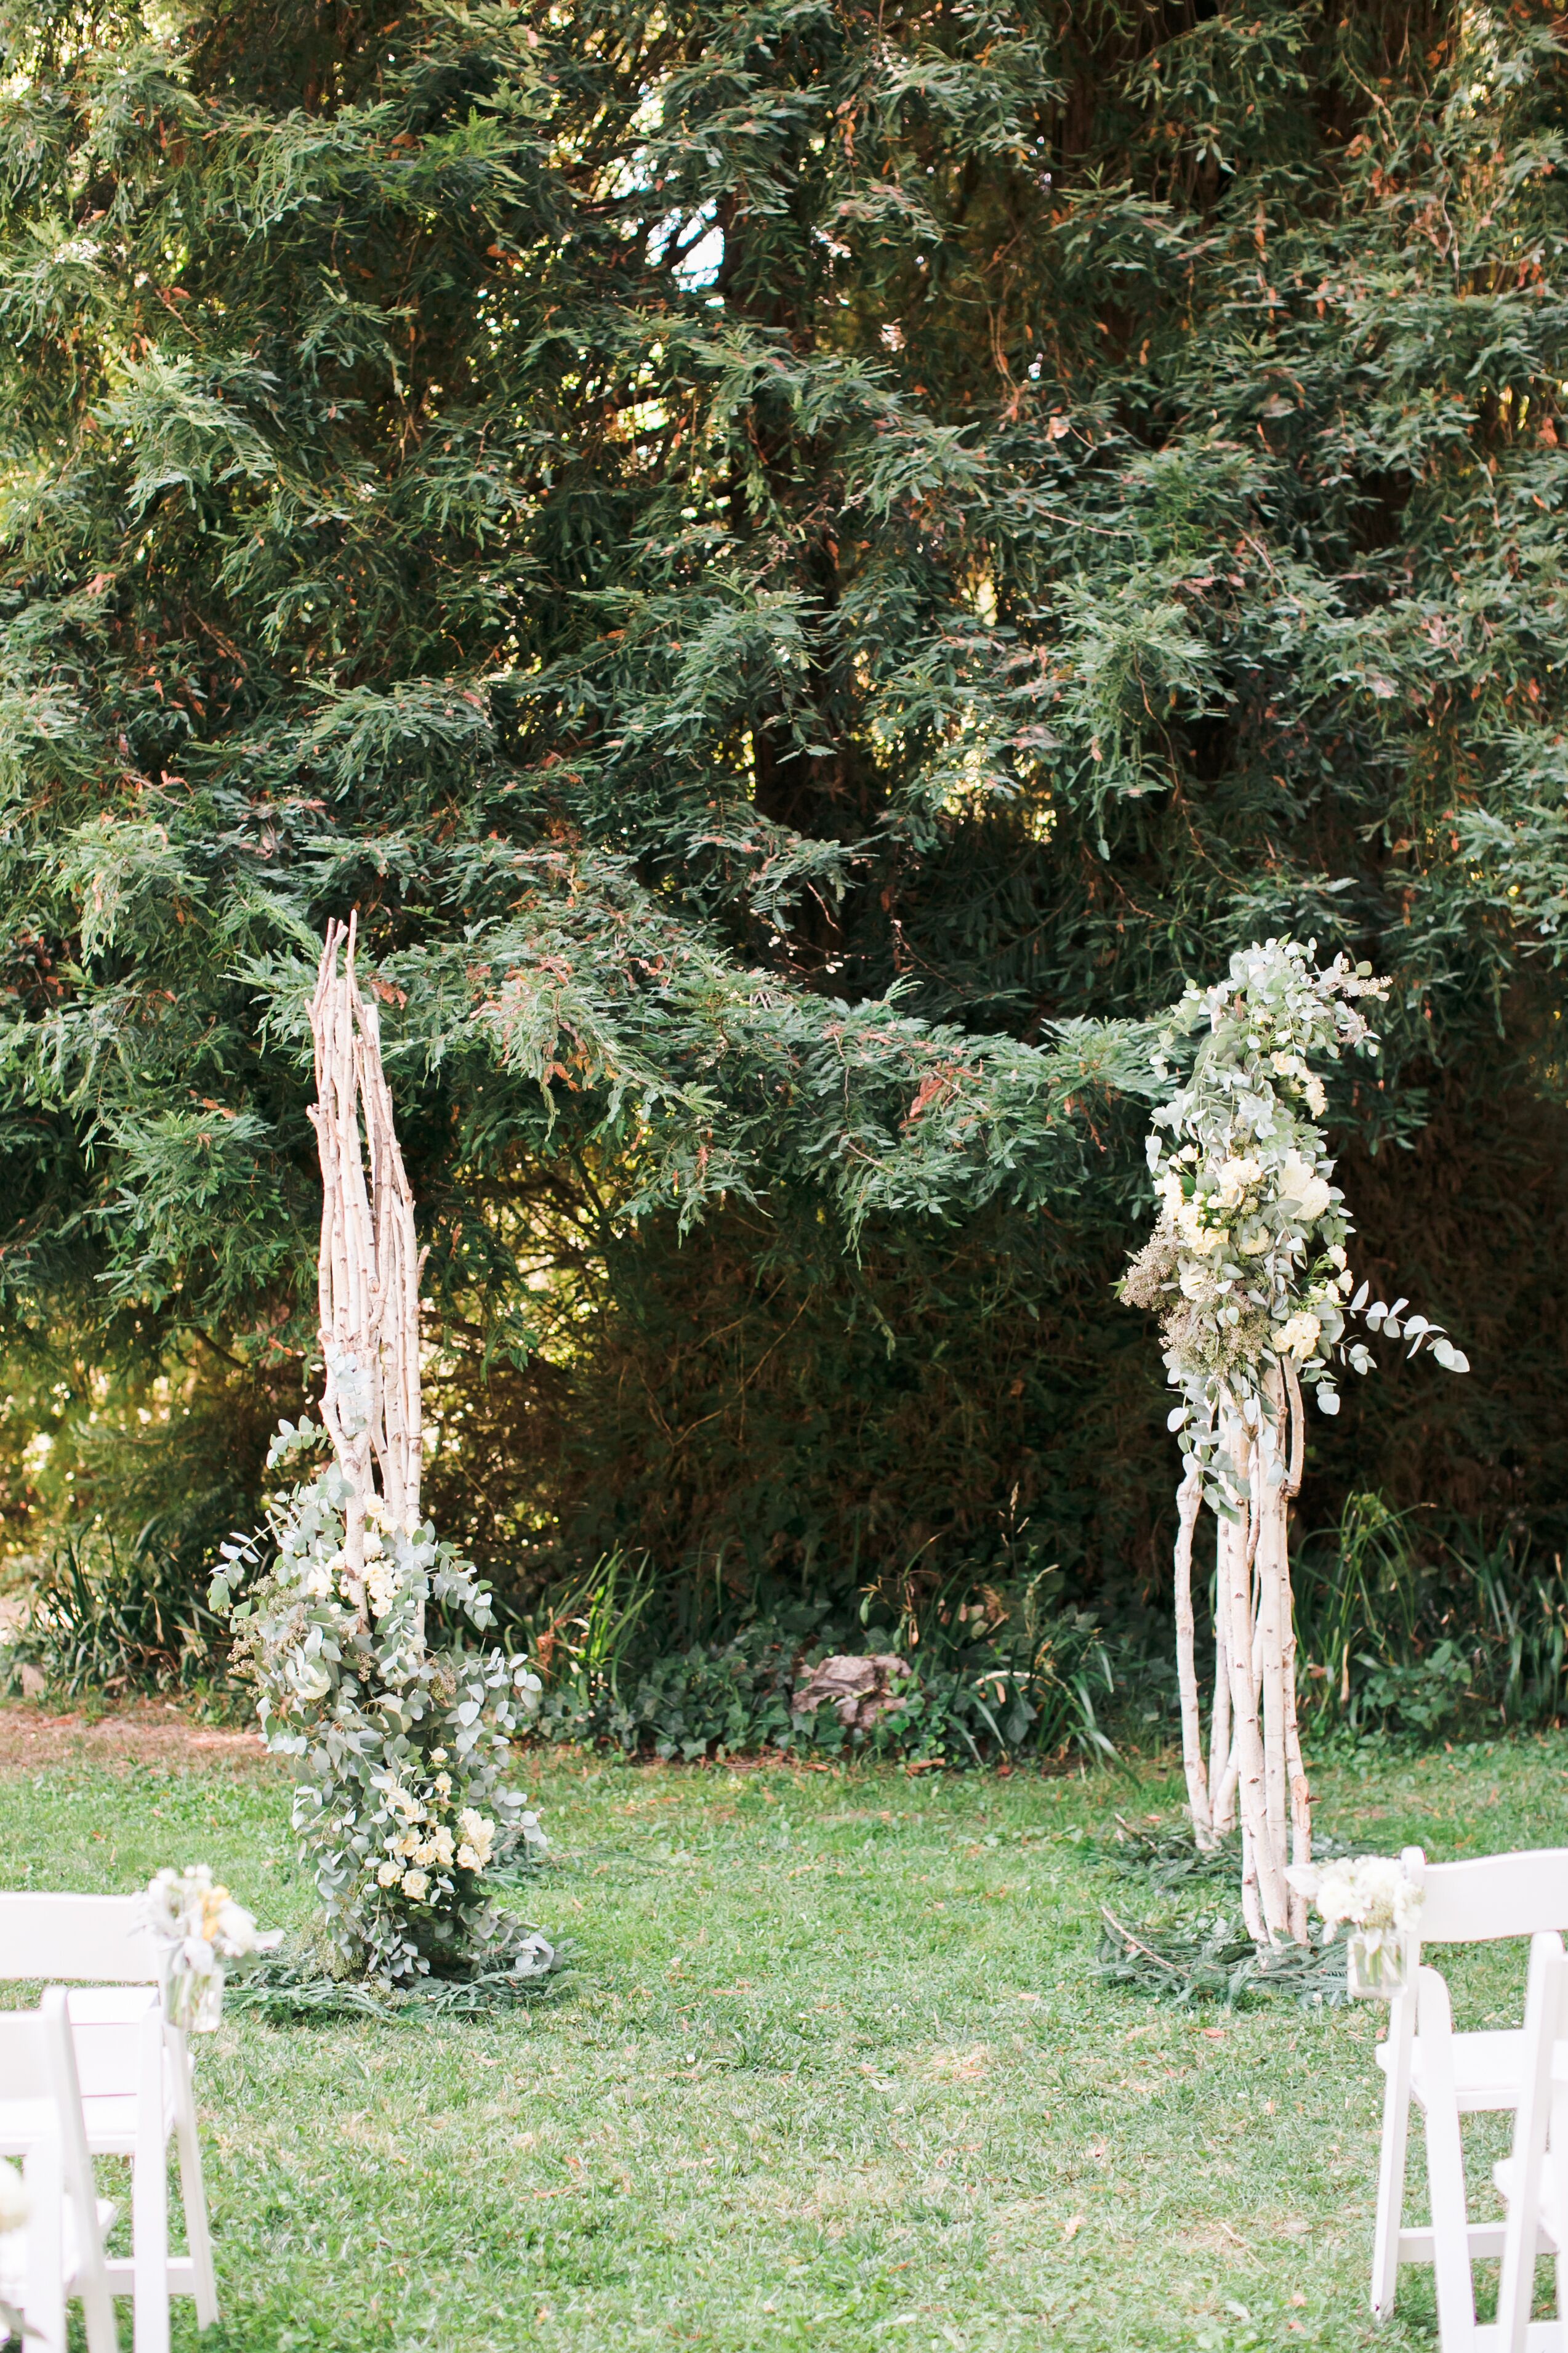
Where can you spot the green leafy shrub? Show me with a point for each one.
(988, 1677)
(1404, 1631)
(104, 1618)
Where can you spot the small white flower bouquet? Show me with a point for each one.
(198, 1927)
(1380, 1902)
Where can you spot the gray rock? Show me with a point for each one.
(857, 1688)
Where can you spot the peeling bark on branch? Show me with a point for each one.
(369, 1262)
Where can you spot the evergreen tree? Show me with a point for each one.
(806, 567)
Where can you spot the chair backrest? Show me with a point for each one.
(112, 2054)
(88, 1939)
(1495, 1897)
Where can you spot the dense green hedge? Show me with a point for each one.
(780, 555)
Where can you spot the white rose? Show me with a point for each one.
(388, 1875)
(416, 1883)
(1297, 1337)
(1302, 1185)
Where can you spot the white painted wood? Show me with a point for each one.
(1492, 1897)
(41, 2123)
(136, 2077)
(60, 1940)
(1529, 2180)
(1446, 2170)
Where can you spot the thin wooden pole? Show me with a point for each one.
(1222, 1766)
(1189, 1501)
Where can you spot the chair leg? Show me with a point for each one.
(193, 2189)
(46, 2302)
(150, 2200)
(1391, 2166)
(97, 2313)
(1450, 2230)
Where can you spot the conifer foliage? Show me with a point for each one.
(805, 567)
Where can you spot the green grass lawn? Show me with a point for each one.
(832, 2072)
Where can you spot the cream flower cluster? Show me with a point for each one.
(401, 1748)
(1375, 1897)
(1373, 1891)
(189, 1914)
(421, 1846)
(1247, 1264)
(198, 1928)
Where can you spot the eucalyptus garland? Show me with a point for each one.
(400, 1747)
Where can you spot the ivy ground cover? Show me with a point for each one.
(833, 2070)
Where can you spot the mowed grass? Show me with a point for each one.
(833, 2072)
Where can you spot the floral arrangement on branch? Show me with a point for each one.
(400, 1744)
(1380, 1904)
(198, 1928)
(1248, 1269)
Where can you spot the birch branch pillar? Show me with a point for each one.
(370, 1259)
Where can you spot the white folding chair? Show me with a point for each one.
(1494, 1897)
(1529, 2178)
(59, 2254)
(136, 2085)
